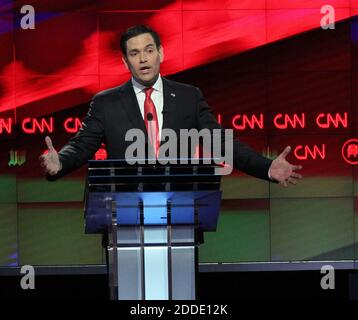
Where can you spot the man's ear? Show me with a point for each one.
(124, 59)
(161, 54)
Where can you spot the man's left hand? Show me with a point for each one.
(284, 172)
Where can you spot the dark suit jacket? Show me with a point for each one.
(114, 111)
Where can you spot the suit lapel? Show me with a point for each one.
(169, 103)
(130, 104)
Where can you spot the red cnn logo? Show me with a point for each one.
(72, 125)
(305, 152)
(246, 121)
(326, 121)
(6, 125)
(32, 126)
(284, 121)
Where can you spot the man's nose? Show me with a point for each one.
(143, 57)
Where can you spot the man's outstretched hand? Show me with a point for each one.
(284, 172)
(50, 161)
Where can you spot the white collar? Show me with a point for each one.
(158, 85)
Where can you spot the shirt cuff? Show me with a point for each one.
(270, 177)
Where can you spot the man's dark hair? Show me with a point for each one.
(136, 31)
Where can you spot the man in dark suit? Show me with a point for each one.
(173, 105)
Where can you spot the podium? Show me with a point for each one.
(154, 215)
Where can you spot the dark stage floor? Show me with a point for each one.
(213, 286)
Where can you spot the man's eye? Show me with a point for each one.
(132, 54)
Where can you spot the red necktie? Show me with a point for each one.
(151, 120)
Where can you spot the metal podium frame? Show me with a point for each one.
(154, 215)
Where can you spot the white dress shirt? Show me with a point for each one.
(157, 97)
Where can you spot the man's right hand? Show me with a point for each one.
(50, 161)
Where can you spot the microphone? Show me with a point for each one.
(149, 116)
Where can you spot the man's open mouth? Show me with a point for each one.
(144, 68)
